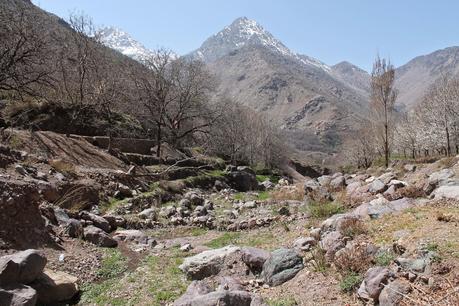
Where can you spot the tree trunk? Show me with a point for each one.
(386, 145)
(158, 141)
(448, 146)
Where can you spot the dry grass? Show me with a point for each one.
(355, 259)
(353, 228)
(63, 167)
(294, 192)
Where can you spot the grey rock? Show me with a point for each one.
(74, 228)
(377, 186)
(281, 266)
(409, 167)
(440, 177)
(207, 263)
(417, 265)
(373, 283)
(98, 237)
(131, 236)
(18, 295)
(447, 192)
(304, 243)
(22, 267)
(115, 221)
(54, 287)
(149, 213)
(393, 293)
(338, 182)
(254, 258)
(311, 185)
(98, 221)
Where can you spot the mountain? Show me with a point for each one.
(310, 100)
(415, 77)
(124, 43)
(353, 76)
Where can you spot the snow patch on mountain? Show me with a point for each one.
(124, 43)
(243, 32)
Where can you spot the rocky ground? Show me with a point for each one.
(197, 231)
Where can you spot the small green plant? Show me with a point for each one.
(384, 258)
(324, 210)
(350, 281)
(263, 195)
(112, 265)
(319, 262)
(432, 247)
(224, 240)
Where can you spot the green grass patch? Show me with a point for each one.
(101, 293)
(273, 178)
(324, 210)
(215, 173)
(166, 281)
(263, 195)
(224, 240)
(284, 301)
(111, 205)
(112, 265)
(350, 281)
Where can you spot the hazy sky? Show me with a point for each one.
(331, 31)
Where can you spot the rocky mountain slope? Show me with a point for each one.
(314, 106)
(415, 77)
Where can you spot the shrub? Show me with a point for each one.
(350, 281)
(353, 228)
(353, 258)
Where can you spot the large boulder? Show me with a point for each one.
(98, 221)
(242, 180)
(447, 192)
(53, 287)
(281, 266)
(377, 186)
(440, 177)
(338, 182)
(22, 267)
(98, 237)
(131, 236)
(18, 295)
(381, 206)
(207, 263)
(254, 258)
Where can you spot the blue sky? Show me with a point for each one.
(331, 31)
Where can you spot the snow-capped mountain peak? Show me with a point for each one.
(246, 32)
(124, 43)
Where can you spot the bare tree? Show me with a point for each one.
(76, 65)
(24, 52)
(155, 90)
(189, 112)
(382, 100)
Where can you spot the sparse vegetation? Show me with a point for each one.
(324, 210)
(319, 261)
(288, 301)
(384, 258)
(224, 240)
(350, 281)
